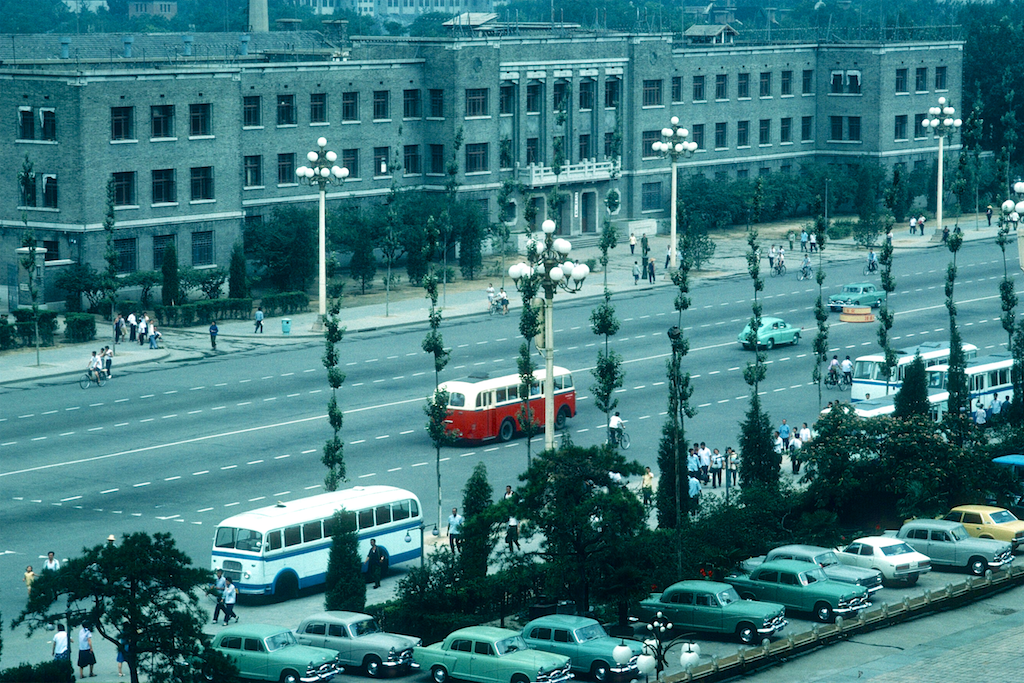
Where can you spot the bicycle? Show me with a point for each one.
(870, 269)
(778, 269)
(90, 378)
(838, 380)
(494, 306)
(622, 440)
(804, 274)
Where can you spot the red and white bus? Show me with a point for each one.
(483, 408)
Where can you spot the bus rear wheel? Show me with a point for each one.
(507, 429)
(560, 419)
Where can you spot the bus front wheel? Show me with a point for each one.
(560, 419)
(507, 430)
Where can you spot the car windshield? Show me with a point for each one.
(365, 627)
(826, 559)
(728, 596)
(1003, 517)
(279, 640)
(512, 644)
(851, 289)
(811, 576)
(958, 532)
(897, 549)
(592, 632)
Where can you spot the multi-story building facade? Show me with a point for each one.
(201, 133)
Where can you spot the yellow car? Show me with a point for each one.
(985, 521)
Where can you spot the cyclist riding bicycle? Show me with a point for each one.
(833, 369)
(872, 261)
(95, 367)
(615, 427)
(780, 261)
(847, 368)
(806, 266)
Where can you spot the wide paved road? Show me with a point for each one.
(179, 449)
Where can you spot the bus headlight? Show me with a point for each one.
(247, 575)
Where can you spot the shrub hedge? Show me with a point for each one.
(285, 303)
(79, 327)
(26, 328)
(202, 312)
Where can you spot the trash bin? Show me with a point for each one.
(286, 325)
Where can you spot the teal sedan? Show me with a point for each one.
(585, 642)
(271, 653)
(801, 587)
(771, 332)
(485, 654)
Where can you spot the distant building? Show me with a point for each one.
(167, 9)
(202, 133)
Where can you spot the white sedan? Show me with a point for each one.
(897, 561)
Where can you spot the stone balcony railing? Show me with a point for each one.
(585, 171)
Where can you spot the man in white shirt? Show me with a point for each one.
(615, 427)
(230, 595)
(847, 367)
(60, 644)
(52, 563)
(805, 433)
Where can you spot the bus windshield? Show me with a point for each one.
(866, 369)
(239, 539)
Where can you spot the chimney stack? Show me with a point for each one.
(127, 41)
(187, 41)
(65, 48)
(258, 16)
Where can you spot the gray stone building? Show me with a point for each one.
(202, 132)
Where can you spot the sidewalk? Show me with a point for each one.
(410, 306)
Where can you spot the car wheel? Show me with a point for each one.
(520, 678)
(439, 674)
(561, 417)
(977, 565)
(289, 676)
(746, 633)
(856, 303)
(912, 581)
(599, 671)
(770, 344)
(823, 612)
(507, 429)
(372, 665)
(796, 339)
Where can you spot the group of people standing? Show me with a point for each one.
(136, 327)
(917, 224)
(790, 440)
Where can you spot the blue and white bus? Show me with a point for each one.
(280, 549)
(869, 374)
(987, 377)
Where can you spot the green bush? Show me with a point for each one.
(44, 672)
(285, 304)
(8, 338)
(203, 312)
(26, 329)
(837, 230)
(79, 327)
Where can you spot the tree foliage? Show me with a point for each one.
(285, 248)
(345, 587)
(237, 285)
(478, 532)
(912, 397)
(170, 293)
(333, 456)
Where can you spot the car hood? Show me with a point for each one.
(983, 545)
(755, 609)
(837, 590)
(386, 641)
(607, 644)
(535, 660)
(848, 574)
(304, 654)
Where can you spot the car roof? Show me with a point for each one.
(702, 586)
(484, 633)
(802, 548)
(253, 630)
(786, 565)
(977, 508)
(338, 617)
(768, 320)
(859, 284)
(932, 523)
(568, 621)
(879, 541)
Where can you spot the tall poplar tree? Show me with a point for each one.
(437, 405)
(333, 457)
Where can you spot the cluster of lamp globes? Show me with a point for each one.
(322, 171)
(1012, 211)
(944, 111)
(647, 662)
(559, 272)
(674, 140)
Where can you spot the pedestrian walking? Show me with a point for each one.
(51, 564)
(30, 576)
(213, 335)
(230, 596)
(668, 256)
(785, 431)
(813, 242)
(645, 247)
(86, 657)
(217, 590)
(632, 244)
(133, 327)
(143, 329)
(920, 224)
(108, 360)
(694, 489)
(154, 336)
(717, 463)
(803, 240)
(375, 562)
(771, 257)
(636, 273)
(259, 321)
(122, 650)
(731, 464)
(913, 225)
(650, 271)
(647, 486)
(455, 521)
(512, 533)
(118, 329)
(59, 650)
(988, 215)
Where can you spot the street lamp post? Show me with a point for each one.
(547, 264)
(941, 123)
(1011, 216)
(675, 146)
(322, 171)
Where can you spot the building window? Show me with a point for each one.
(698, 89)
(507, 99)
(647, 140)
(412, 104)
(286, 110)
(921, 79)
(200, 120)
(476, 157)
(437, 104)
(26, 125)
(650, 197)
(253, 171)
(722, 87)
(349, 106)
(476, 102)
(612, 88)
(202, 248)
(50, 191)
(766, 84)
(853, 82)
(807, 128)
(743, 86)
(743, 133)
(380, 160)
(697, 135)
(202, 183)
(900, 130)
(381, 105)
(350, 160)
(121, 123)
(764, 170)
(853, 128)
(585, 151)
(677, 88)
(413, 161)
(837, 82)
(808, 82)
(161, 121)
(786, 130)
(318, 107)
(652, 93)
(901, 81)
(764, 136)
(286, 169)
(27, 186)
(534, 97)
(610, 146)
(558, 97)
(505, 154)
(160, 244)
(786, 84)
(586, 95)
(940, 82)
(252, 114)
(532, 151)
(835, 127)
(919, 130)
(49, 125)
(742, 174)
(786, 168)
(165, 190)
(721, 135)
(126, 255)
(437, 159)
(124, 188)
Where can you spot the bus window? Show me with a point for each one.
(225, 538)
(484, 399)
(501, 395)
(936, 380)
(383, 514)
(534, 389)
(274, 540)
(329, 527)
(366, 519)
(513, 393)
(249, 540)
(457, 400)
(977, 382)
(864, 369)
(292, 536)
(312, 531)
(415, 507)
(400, 510)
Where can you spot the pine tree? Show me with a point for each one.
(478, 530)
(912, 398)
(333, 457)
(170, 293)
(237, 288)
(345, 587)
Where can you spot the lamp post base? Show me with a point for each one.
(318, 324)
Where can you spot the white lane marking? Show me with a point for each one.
(382, 436)
(311, 450)
(94, 429)
(254, 462)
(103, 493)
(65, 500)
(193, 412)
(141, 484)
(253, 500)
(75, 408)
(244, 381)
(196, 474)
(244, 403)
(272, 398)
(366, 476)
(228, 467)
(218, 408)
(167, 417)
(292, 395)
(178, 476)
(172, 391)
(281, 457)
(407, 431)
(197, 388)
(420, 464)
(356, 442)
